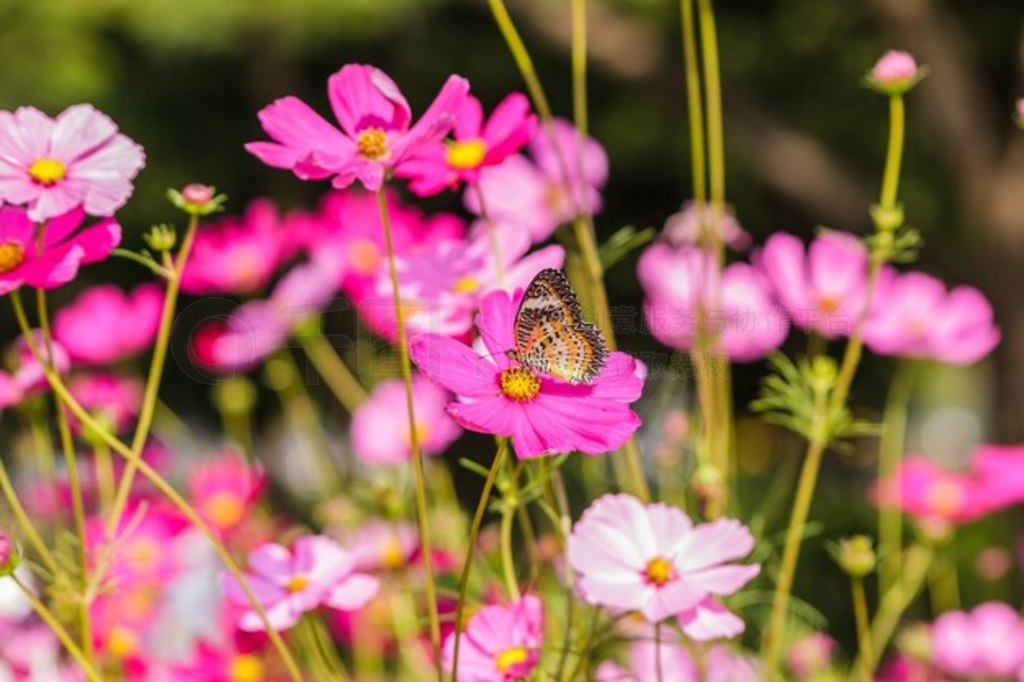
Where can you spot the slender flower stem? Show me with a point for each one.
(695, 106)
(51, 621)
(894, 152)
(474, 533)
(156, 370)
(508, 563)
(860, 615)
(27, 527)
(417, 455)
(104, 475)
(564, 529)
(158, 481)
(890, 451)
(333, 370)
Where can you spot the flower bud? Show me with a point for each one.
(197, 194)
(895, 73)
(811, 655)
(823, 373)
(856, 556)
(197, 199)
(161, 238)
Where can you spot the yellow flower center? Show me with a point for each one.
(659, 571)
(511, 657)
(122, 642)
(47, 171)
(297, 584)
(466, 285)
(944, 497)
(245, 668)
(392, 556)
(519, 384)
(828, 304)
(373, 144)
(12, 254)
(225, 509)
(364, 256)
(466, 155)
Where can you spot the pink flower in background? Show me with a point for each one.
(145, 541)
(737, 304)
(541, 415)
(928, 492)
(686, 227)
(77, 160)
(551, 190)
(894, 67)
(710, 620)
(375, 134)
(113, 399)
(288, 584)
(224, 489)
(239, 254)
(916, 317)
(229, 663)
(11, 392)
(105, 325)
(824, 288)
(476, 145)
(999, 470)
(986, 643)
(378, 438)
(500, 644)
(29, 374)
(652, 559)
(384, 546)
(53, 261)
(721, 663)
(810, 655)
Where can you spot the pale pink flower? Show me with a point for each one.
(894, 67)
(914, 316)
(987, 642)
(810, 655)
(687, 227)
(500, 644)
(384, 546)
(50, 257)
(197, 194)
(288, 584)
(680, 284)
(652, 559)
(105, 325)
(78, 159)
(29, 375)
(375, 136)
(722, 664)
(823, 289)
(377, 438)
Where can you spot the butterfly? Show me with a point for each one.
(550, 334)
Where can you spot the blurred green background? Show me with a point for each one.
(804, 141)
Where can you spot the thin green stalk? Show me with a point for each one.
(417, 455)
(333, 370)
(890, 451)
(51, 621)
(695, 106)
(860, 615)
(104, 475)
(474, 533)
(944, 580)
(565, 528)
(894, 152)
(27, 527)
(158, 481)
(508, 563)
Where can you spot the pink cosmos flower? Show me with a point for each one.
(50, 257)
(686, 227)
(652, 559)
(318, 573)
(114, 399)
(823, 289)
(541, 415)
(895, 66)
(915, 317)
(239, 254)
(722, 664)
(6, 551)
(737, 303)
(563, 179)
(105, 325)
(500, 644)
(986, 643)
(29, 375)
(224, 489)
(379, 545)
(810, 655)
(477, 145)
(220, 664)
(11, 392)
(378, 439)
(375, 135)
(77, 160)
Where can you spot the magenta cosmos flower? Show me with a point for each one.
(652, 559)
(721, 664)
(375, 136)
(319, 573)
(224, 489)
(377, 439)
(737, 303)
(113, 399)
(823, 289)
(500, 644)
(477, 145)
(51, 256)
(105, 325)
(540, 414)
(78, 159)
(926, 491)
(986, 643)
(914, 316)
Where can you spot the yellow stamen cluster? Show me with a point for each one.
(47, 171)
(12, 254)
(297, 584)
(519, 384)
(466, 154)
(373, 144)
(245, 668)
(511, 657)
(659, 571)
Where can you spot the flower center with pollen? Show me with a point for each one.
(12, 254)
(297, 584)
(509, 658)
(465, 155)
(245, 668)
(47, 171)
(466, 285)
(373, 144)
(659, 571)
(519, 384)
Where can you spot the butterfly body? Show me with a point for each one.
(550, 334)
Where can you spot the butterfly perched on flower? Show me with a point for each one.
(550, 334)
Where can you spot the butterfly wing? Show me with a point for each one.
(551, 336)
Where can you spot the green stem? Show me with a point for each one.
(474, 533)
(104, 475)
(333, 370)
(894, 152)
(564, 529)
(860, 615)
(508, 563)
(890, 452)
(51, 621)
(944, 580)
(27, 527)
(417, 455)
(694, 104)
